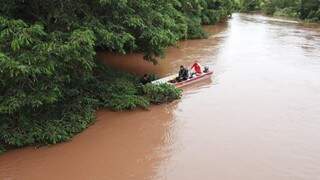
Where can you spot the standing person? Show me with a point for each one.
(196, 67)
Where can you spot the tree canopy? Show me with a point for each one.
(123, 26)
(303, 9)
(50, 80)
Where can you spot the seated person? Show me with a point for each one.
(145, 79)
(196, 68)
(183, 74)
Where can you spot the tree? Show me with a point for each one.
(249, 5)
(50, 81)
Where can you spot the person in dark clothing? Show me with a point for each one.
(145, 79)
(183, 74)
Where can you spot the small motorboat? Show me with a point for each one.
(191, 80)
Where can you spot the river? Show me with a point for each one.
(258, 118)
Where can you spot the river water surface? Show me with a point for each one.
(258, 118)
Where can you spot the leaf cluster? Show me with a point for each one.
(50, 81)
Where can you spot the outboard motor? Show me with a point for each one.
(206, 69)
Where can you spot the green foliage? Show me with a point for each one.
(52, 129)
(281, 7)
(286, 12)
(128, 102)
(310, 10)
(303, 9)
(41, 74)
(117, 91)
(148, 26)
(161, 93)
(2, 149)
(249, 5)
(61, 119)
(269, 8)
(50, 82)
(152, 77)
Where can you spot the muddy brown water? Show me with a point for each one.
(257, 118)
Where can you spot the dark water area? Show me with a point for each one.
(258, 117)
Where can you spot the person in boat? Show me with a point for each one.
(145, 79)
(183, 74)
(196, 68)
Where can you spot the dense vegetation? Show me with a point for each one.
(303, 9)
(123, 26)
(50, 81)
(248, 5)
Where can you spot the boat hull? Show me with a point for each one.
(186, 82)
(194, 80)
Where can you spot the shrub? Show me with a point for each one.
(249, 5)
(308, 9)
(268, 8)
(161, 93)
(59, 123)
(2, 148)
(303, 9)
(286, 12)
(128, 102)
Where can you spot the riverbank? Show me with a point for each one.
(308, 11)
(50, 81)
(257, 118)
(109, 88)
(113, 87)
(128, 141)
(117, 80)
(284, 16)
